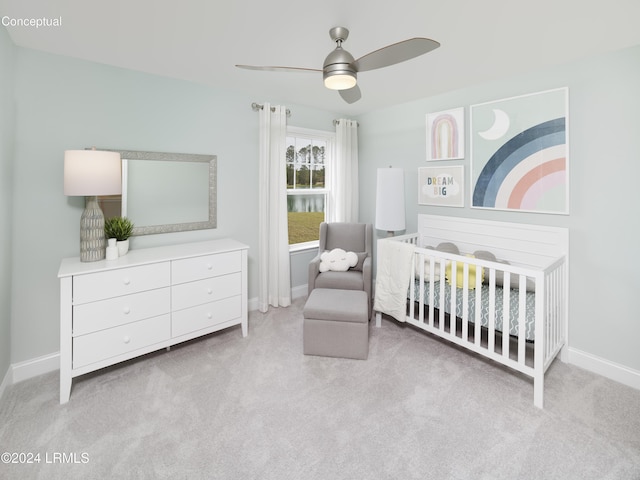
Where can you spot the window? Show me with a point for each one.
(309, 154)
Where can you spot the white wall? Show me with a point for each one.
(63, 103)
(604, 108)
(7, 121)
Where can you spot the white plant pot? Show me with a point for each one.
(112, 249)
(123, 247)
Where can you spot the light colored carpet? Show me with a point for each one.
(227, 407)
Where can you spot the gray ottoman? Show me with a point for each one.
(336, 323)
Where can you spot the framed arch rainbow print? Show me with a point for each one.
(520, 153)
(445, 135)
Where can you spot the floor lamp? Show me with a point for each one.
(390, 213)
(91, 173)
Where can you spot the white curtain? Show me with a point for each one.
(345, 172)
(273, 244)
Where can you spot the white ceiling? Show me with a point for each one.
(202, 40)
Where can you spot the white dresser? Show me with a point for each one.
(151, 298)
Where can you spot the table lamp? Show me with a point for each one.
(91, 173)
(390, 213)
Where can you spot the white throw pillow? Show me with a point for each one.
(337, 260)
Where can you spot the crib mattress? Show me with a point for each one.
(514, 306)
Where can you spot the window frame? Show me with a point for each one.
(329, 138)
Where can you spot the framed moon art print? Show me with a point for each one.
(520, 153)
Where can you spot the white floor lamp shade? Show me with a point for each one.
(90, 173)
(390, 213)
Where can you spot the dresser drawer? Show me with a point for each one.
(204, 316)
(112, 342)
(208, 290)
(103, 314)
(122, 281)
(197, 268)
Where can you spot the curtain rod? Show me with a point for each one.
(336, 122)
(256, 106)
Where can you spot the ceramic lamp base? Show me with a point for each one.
(92, 239)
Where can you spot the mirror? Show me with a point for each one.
(165, 192)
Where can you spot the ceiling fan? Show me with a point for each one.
(340, 69)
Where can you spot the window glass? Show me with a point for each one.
(306, 213)
(308, 154)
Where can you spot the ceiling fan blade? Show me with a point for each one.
(395, 53)
(351, 95)
(279, 69)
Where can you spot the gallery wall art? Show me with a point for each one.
(520, 153)
(445, 135)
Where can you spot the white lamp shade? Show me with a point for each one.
(390, 214)
(92, 173)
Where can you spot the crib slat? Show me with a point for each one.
(522, 310)
(492, 318)
(506, 315)
(556, 301)
(559, 302)
(548, 332)
(411, 292)
(432, 294)
(550, 300)
(478, 290)
(454, 290)
(465, 302)
(477, 333)
(421, 286)
(442, 299)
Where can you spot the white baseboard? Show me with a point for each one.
(36, 366)
(299, 291)
(252, 304)
(18, 372)
(606, 368)
(296, 292)
(7, 380)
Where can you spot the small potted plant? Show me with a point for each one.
(119, 228)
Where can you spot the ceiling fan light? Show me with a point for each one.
(340, 80)
(338, 71)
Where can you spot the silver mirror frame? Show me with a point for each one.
(212, 160)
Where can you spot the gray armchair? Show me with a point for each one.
(351, 237)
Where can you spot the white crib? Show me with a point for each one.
(516, 315)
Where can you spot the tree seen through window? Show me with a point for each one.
(306, 159)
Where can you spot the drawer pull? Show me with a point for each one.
(126, 339)
(126, 310)
(209, 315)
(126, 281)
(209, 266)
(209, 291)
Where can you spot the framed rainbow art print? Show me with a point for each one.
(520, 153)
(445, 135)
